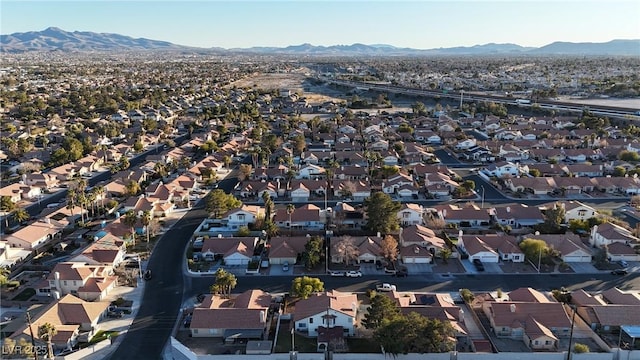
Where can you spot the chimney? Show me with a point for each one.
(378, 234)
(460, 233)
(512, 307)
(461, 316)
(508, 209)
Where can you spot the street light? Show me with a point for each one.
(482, 204)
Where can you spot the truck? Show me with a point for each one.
(386, 287)
(523, 101)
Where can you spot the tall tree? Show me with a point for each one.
(303, 287)
(20, 215)
(313, 252)
(290, 210)
(46, 332)
(146, 219)
(346, 249)
(414, 333)
(218, 202)
(130, 219)
(382, 309)
(224, 283)
(389, 247)
(381, 213)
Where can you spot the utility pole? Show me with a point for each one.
(461, 96)
(573, 321)
(33, 339)
(482, 206)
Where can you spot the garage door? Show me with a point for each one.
(409, 260)
(577, 258)
(489, 259)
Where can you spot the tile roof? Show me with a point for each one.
(318, 303)
(551, 314)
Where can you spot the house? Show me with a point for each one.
(411, 214)
(311, 172)
(569, 246)
(395, 182)
(369, 249)
(537, 186)
(468, 216)
(504, 245)
(608, 233)
(622, 252)
(415, 254)
(330, 309)
(518, 215)
(505, 169)
(11, 256)
(478, 249)
(35, 235)
(300, 193)
(71, 316)
(286, 249)
(355, 190)
(242, 216)
(88, 282)
(107, 251)
(305, 217)
(538, 324)
(466, 144)
(609, 318)
(421, 236)
(234, 251)
(346, 216)
(238, 319)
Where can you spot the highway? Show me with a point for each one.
(612, 111)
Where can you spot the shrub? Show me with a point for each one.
(579, 348)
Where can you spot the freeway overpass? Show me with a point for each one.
(604, 110)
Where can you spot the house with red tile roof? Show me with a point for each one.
(504, 245)
(518, 215)
(569, 246)
(476, 248)
(71, 316)
(467, 216)
(411, 214)
(330, 309)
(234, 251)
(35, 235)
(89, 282)
(109, 250)
(539, 325)
(240, 318)
(608, 233)
(528, 294)
(305, 217)
(421, 236)
(286, 249)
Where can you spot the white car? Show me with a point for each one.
(354, 273)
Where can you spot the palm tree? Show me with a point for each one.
(46, 332)
(7, 205)
(130, 219)
(20, 215)
(146, 219)
(290, 209)
(72, 196)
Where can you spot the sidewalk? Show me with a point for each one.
(121, 325)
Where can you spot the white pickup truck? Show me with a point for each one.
(386, 287)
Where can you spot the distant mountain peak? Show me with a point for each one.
(56, 39)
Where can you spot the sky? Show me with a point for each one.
(419, 24)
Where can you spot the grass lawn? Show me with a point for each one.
(362, 345)
(25, 294)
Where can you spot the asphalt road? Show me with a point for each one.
(163, 294)
(436, 283)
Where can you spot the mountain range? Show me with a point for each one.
(55, 39)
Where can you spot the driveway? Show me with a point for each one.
(491, 268)
(583, 268)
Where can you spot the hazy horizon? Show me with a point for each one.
(412, 24)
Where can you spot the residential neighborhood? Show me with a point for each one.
(294, 219)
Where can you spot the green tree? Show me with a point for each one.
(132, 188)
(419, 108)
(467, 295)
(533, 249)
(20, 215)
(382, 213)
(218, 203)
(244, 171)
(619, 171)
(630, 156)
(554, 217)
(304, 286)
(313, 252)
(535, 172)
(146, 219)
(6, 206)
(130, 219)
(46, 332)
(224, 283)
(414, 333)
(445, 253)
(469, 185)
(382, 309)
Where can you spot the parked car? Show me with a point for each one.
(619, 272)
(354, 273)
(336, 273)
(401, 273)
(386, 287)
(478, 264)
(623, 263)
(116, 314)
(285, 267)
